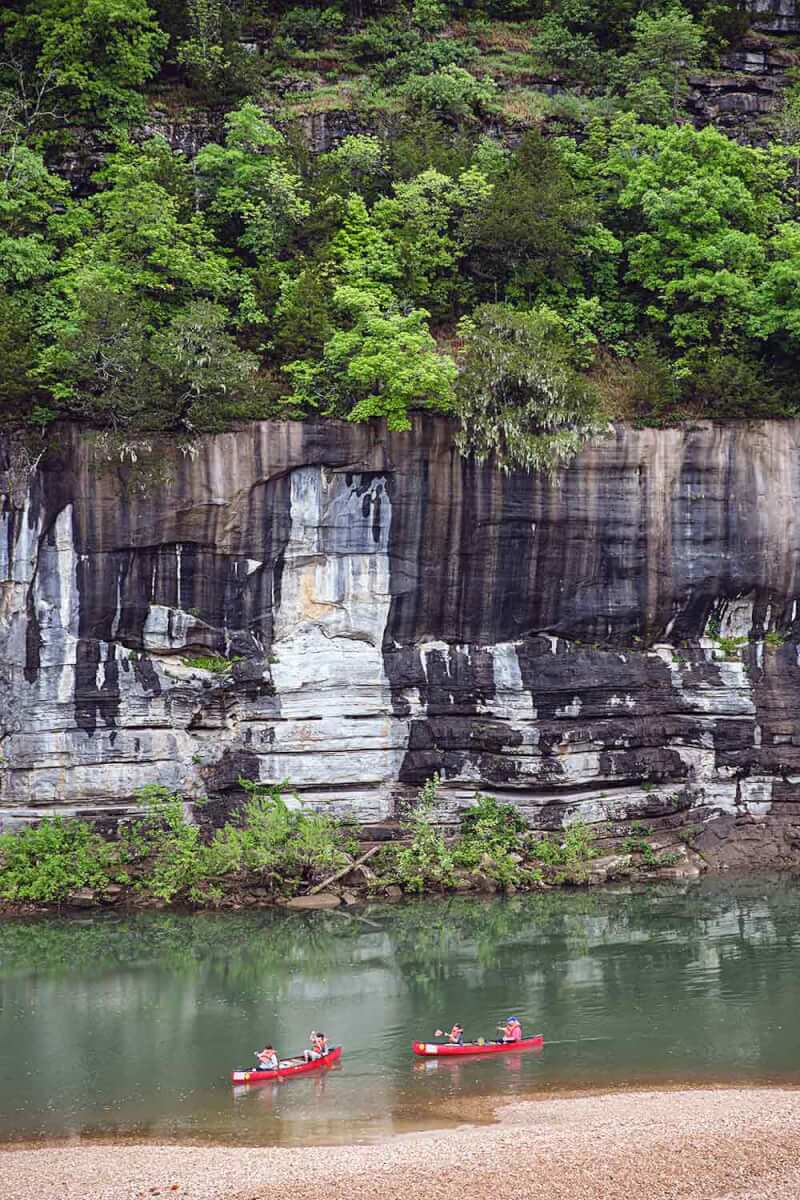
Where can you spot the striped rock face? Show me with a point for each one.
(614, 643)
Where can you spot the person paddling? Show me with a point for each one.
(456, 1035)
(267, 1059)
(512, 1030)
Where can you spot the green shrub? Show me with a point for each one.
(572, 853)
(547, 850)
(49, 861)
(490, 825)
(426, 864)
(731, 646)
(284, 846)
(491, 840)
(578, 842)
(564, 44)
(423, 60)
(382, 39)
(217, 664)
(429, 15)
(311, 28)
(640, 845)
(451, 91)
(774, 639)
(174, 861)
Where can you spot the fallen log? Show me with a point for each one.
(320, 887)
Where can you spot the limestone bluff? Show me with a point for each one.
(397, 610)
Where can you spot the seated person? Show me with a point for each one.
(319, 1046)
(267, 1059)
(456, 1035)
(512, 1030)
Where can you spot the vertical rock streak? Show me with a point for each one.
(388, 610)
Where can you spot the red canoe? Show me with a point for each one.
(439, 1049)
(288, 1067)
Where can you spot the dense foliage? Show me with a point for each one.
(521, 227)
(49, 861)
(493, 850)
(166, 856)
(273, 848)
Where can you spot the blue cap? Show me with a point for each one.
(511, 1018)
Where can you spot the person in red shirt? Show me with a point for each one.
(512, 1030)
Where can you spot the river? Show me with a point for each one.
(127, 1026)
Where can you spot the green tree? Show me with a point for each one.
(99, 53)
(527, 231)
(363, 252)
(30, 198)
(136, 235)
(666, 47)
(304, 313)
(430, 221)
(203, 52)
(383, 364)
(17, 357)
(421, 142)
(695, 211)
(788, 129)
(152, 162)
(566, 41)
(310, 28)
(357, 164)
(737, 386)
(110, 362)
(97, 364)
(519, 398)
(136, 255)
(776, 301)
(210, 381)
(252, 195)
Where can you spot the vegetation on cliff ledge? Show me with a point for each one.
(515, 221)
(273, 850)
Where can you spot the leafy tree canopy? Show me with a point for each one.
(97, 53)
(383, 364)
(519, 397)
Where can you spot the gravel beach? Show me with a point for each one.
(707, 1144)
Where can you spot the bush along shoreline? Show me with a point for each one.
(275, 852)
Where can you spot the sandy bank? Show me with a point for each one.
(727, 1144)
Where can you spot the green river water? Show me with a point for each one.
(128, 1026)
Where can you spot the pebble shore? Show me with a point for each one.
(705, 1144)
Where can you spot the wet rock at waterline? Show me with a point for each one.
(590, 646)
